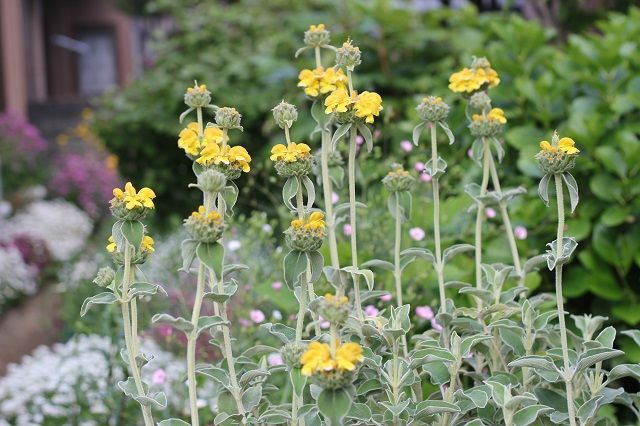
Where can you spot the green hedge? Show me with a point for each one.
(588, 88)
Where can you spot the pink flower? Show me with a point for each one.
(371, 311)
(257, 316)
(377, 133)
(276, 285)
(165, 330)
(346, 229)
(417, 233)
(274, 359)
(324, 324)
(244, 322)
(425, 177)
(385, 297)
(424, 312)
(470, 153)
(359, 140)
(419, 166)
(491, 213)
(158, 377)
(437, 327)
(520, 232)
(334, 198)
(406, 146)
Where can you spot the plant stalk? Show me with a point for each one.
(192, 338)
(352, 218)
(327, 188)
(559, 299)
(486, 164)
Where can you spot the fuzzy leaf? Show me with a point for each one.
(251, 397)
(366, 134)
(529, 414)
(316, 261)
(447, 131)
(454, 250)
(144, 289)
(282, 332)
(104, 298)
(624, 370)
(377, 263)
(543, 189)
(311, 191)
(173, 422)
(572, 187)
(534, 361)
(588, 409)
(339, 134)
(334, 405)
(416, 133)
(593, 356)
(188, 249)
(212, 255)
(289, 191)
(294, 265)
(177, 323)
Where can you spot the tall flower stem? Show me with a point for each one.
(504, 213)
(192, 338)
(559, 300)
(486, 164)
(397, 271)
(352, 218)
(129, 336)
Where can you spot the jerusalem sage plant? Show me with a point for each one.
(499, 360)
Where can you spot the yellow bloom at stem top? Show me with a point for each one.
(313, 222)
(338, 101)
(565, 145)
(317, 28)
(365, 105)
(496, 114)
(479, 76)
(290, 153)
(197, 89)
(368, 105)
(202, 216)
(191, 143)
(236, 156)
(318, 359)
(111, 247)
(320, 81)
(133, 198)
(147, 244)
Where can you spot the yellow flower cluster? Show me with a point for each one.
(496, 114)
(193, 144)
(236, 156)
(317, 28)
(321, 81)
(290, 153)
(197, 89)
(147, 244)
(318, 359)
(565, 146)
(398, 172)
(202, 216)
(468, 80)
(314, 222)
(366, 105)
(134, 199)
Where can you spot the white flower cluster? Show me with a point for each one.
(16, 277)
(82, 271)
(62, 226)
(74, 383)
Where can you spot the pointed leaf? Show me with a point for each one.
(212, 255)
(543, 189)
(572, 187)
(104, 298)
(339, 134)
(416, 133)
(529, 414)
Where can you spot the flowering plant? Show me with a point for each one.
(496, 357)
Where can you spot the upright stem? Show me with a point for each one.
(192, 338)
(128, 335)
(298, 401)
(486, 162)
(352, 217)
(397, 272)
(563, 328)
(504, 213)
(328, 204)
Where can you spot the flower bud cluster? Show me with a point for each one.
(205, 227)
(432, 109)
(307, 234)
(398, 179)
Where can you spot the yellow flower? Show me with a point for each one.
(320, 81)
(318, 358)
(333, 299)
(235, 156)
(567, 145)
(203, 216)
(147, 244)
(290, 153)
(313, 222)
(489, 75)
(338, 101)
(316, 28)
(368, 105)
(497, 114)
(111, 247)
(197, 89)
(192, 144)
(465, 80)
(546, 146)
(133, 198)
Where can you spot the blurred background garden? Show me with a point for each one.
(91, 91)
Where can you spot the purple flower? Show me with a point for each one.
(244, 322)
(491, 213)
(276, 285)
(385, 297)
(257, 316)
(158, 377)
(419, 166)
(359, 140)
(324, 324)
(334, 198)
(520, 232)
(424, 312)
(346, 229)
(417, 233)
(274, 359)
(437, 327)
(371, 311)
(406, 146)
(470, 153)
(425, 177)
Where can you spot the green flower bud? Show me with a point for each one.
(300, 167)
(334, 309)
(480, 101)
(307, 234)
(228, 118)
(335, 379)
(104, 277)
(205, 227)
(555, 162)
(211, 181)
(230, 171)
(317, 36)
(285, 114)
(120, 211)
(432, 109)
(480, 62)
(398, 179)
(348, 56)
(291, 353)
(197, 96)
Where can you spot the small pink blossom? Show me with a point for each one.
(346, 229)
(377, 133)
(323, 323)
(520, 232)
(470, 153)
(359, 140)
(165, 330)
(371, 311)
(437, 327)
(419, 166)
(274, 359)
(386, 297)
(406, 146)
(158, 377)
(244, 322)
(257, 316)
(276, 285)
(425, 177)
(491, 213)
(334, 198)
(424, 312)
(417, 233)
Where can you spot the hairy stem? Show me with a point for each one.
(486, 161)
(128, 335)
(192, 338)
(559, 300)
(328, 205)
(352, 218)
